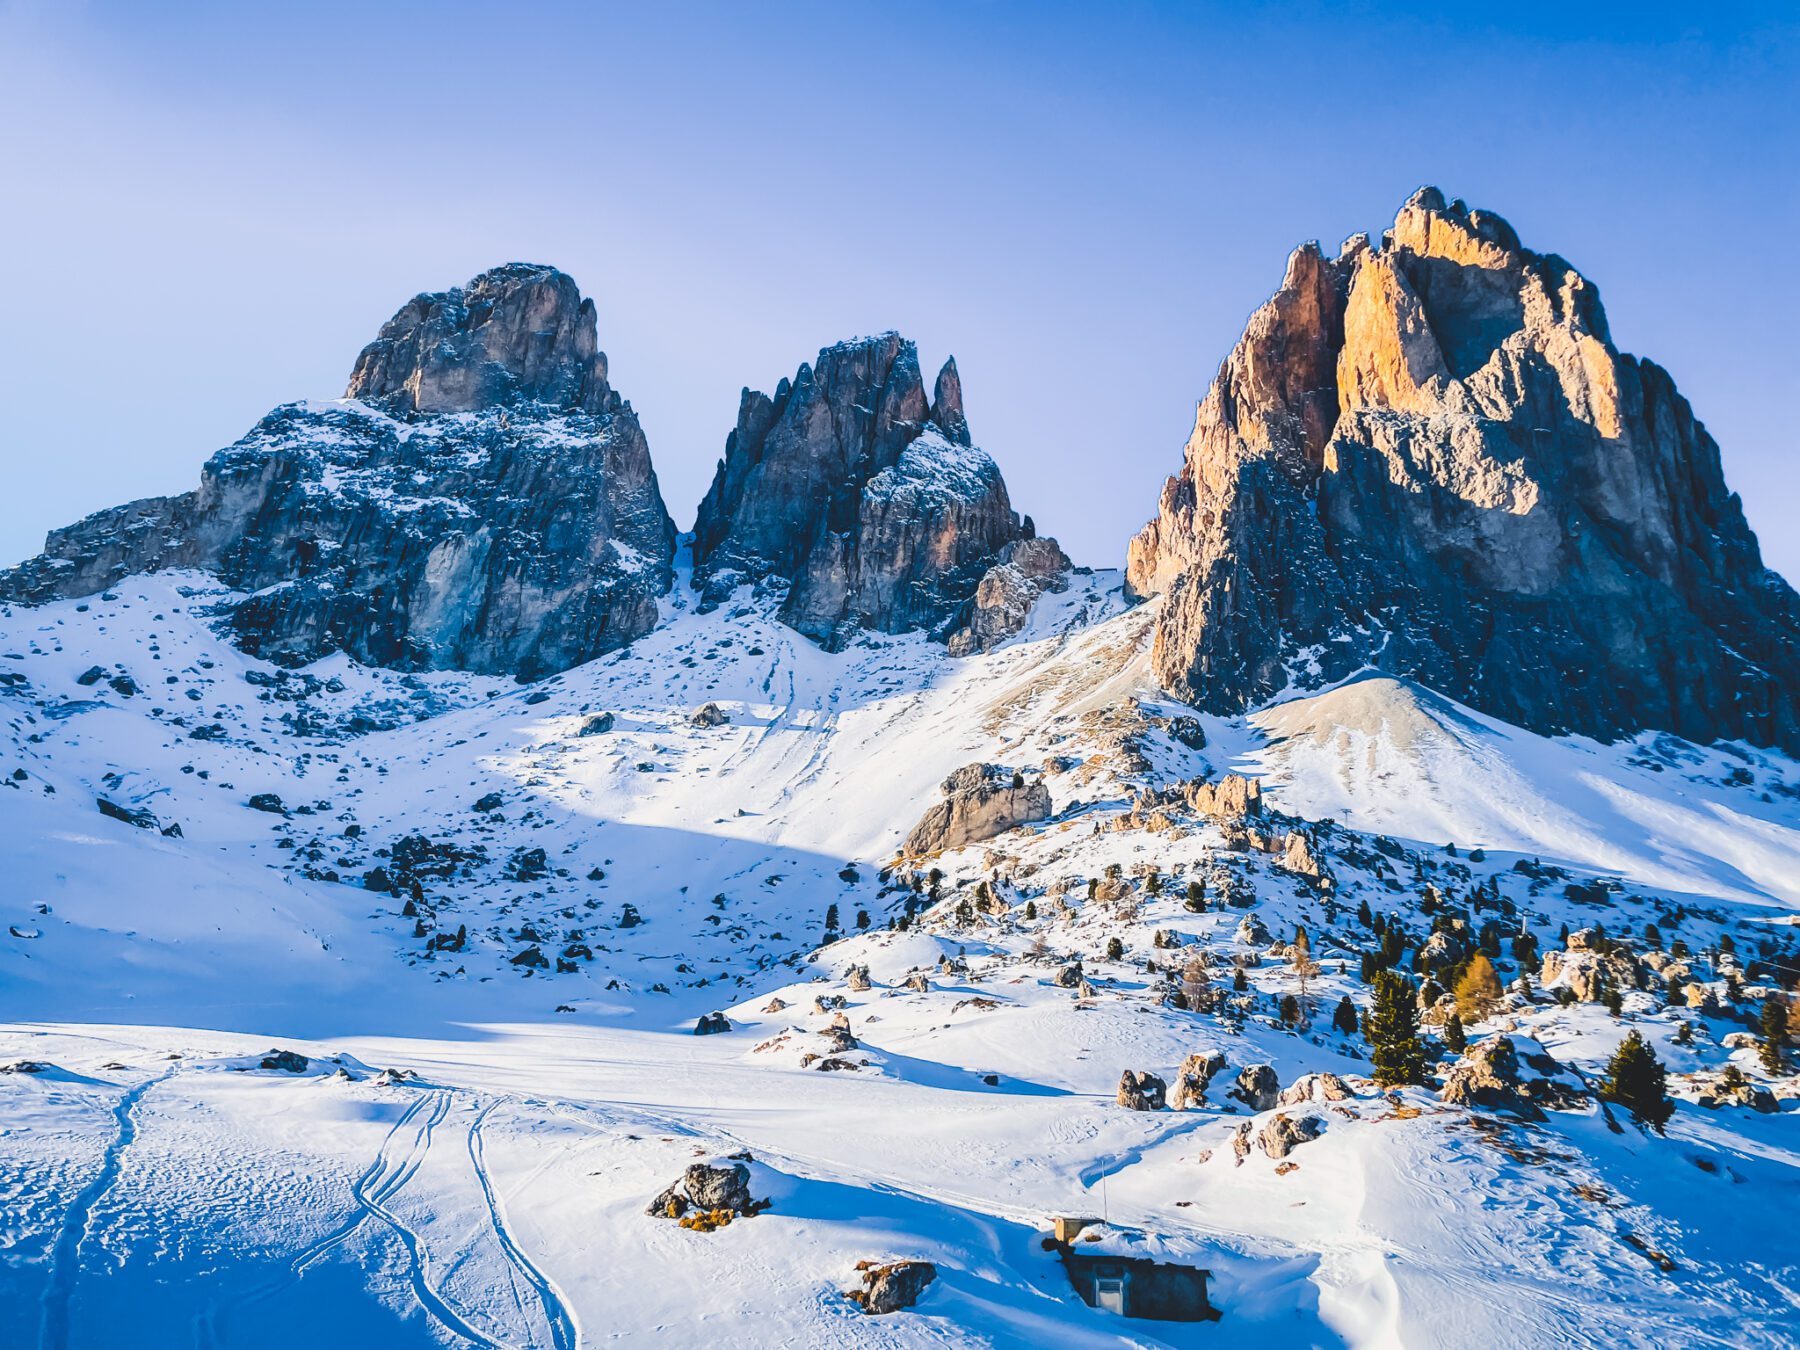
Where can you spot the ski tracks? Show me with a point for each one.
(65, 1257)
(563, 1335)
(397, 1161)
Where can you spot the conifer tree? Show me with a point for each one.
(1290, 1010)
(831, 918)
(1478, 990)
(1238, 983)
(1391, 1026)
(1343, 1021)
(1196, 898)
(1774, 1022)
(1031, 909)
(1115, 949)
(1635, 1079)
(1456, 1040)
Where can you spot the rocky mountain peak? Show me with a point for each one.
(1428, 457)
(871, 502)
(517, 333)
(523, 538)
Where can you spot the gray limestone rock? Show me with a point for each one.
(482, 501)
(871, 502)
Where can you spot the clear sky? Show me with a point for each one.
(206, 210)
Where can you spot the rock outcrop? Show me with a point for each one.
(1506, 1073)
(980, 801)
(482, 500)
(868, 499)
(1427, 456)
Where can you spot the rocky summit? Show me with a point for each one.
(1427, 456)
(482, 499)
(868, 500)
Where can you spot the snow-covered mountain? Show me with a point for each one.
(351, 999)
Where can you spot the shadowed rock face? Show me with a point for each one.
(1428, 457)
(869, 500)
(488, 505)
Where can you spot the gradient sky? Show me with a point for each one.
(206, 210)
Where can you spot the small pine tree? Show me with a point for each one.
(1290, 1010)
(1456, 1040)
(1343, 1021)
(1153, 884)
(1018, 781)
(1391, 1026)
(831, 918)
(1652, 936)
(1115, 949)
(862, 918)
(1196, 898)
(1031, 909)
(1478, 990)
(1726, 946)
(1773, 1022)
(1635, 1079)
(1238, 983)
(1684, 1034)
(1614, 1001)
(1363, 914)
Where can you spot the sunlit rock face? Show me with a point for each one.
(481, 500)
(864, 496)
(1426, 455)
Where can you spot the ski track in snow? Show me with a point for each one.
(564, 1334)
(65, 1261)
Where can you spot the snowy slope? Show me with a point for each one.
(163, 1188)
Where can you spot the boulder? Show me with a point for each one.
(596, 724)
(284, 1061)
(1283, 1133)
(1139, 1091)
(889, 1288)
(980, 802)
(712, 1024)
(1252, 932)
(1507, 1073)
(1315, 1087)
(708, 1186)
(1257, 1087)
(709, 715)
(1023, 570)
(1193, 1078)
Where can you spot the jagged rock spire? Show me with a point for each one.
(873, 504)
(517, 333)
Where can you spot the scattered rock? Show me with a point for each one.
(1193, 1078)
(267, 801)
(1140, 1091)
(889, 1288)
(1283, 1134)
(1257, 1087)
(287, 1061)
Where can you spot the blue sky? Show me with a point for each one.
(208, 209)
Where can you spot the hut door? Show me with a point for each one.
(1109, 1294)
